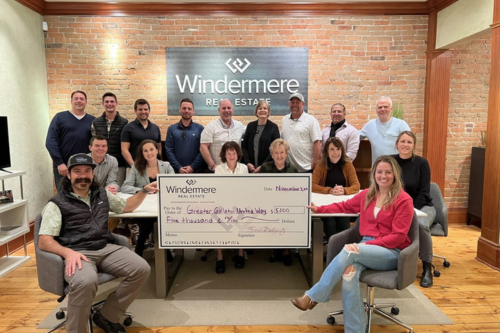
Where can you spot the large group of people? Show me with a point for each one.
(95, 158)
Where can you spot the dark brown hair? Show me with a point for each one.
(140, 162)
(325, 159)
(230, 145)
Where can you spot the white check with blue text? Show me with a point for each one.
(234, 211)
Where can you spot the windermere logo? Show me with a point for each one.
(190, 181)
(236, 65)
(243, 75)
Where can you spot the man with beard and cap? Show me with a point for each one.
(342, 130)
(182, 143)
(218, 132)
(75, 227)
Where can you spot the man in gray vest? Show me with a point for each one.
(75, 226)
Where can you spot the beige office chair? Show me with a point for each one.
(50, 271)
(440, 225)
(396, 279)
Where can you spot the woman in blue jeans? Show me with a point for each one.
(385, 216)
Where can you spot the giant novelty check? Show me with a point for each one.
(234, 211)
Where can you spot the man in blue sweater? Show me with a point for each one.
(69, 134)
(182, 143)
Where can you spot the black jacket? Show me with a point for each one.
(270, 133)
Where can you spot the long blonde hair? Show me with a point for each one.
(396, 187)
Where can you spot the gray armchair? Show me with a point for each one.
(440, 225)
(397, 279)
(50, 271)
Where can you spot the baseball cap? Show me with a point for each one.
(297, 95)
(80, 159)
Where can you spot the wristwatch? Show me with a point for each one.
(143, 190)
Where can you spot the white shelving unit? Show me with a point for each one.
(13, 224)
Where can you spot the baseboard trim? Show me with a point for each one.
(457, 215)
(488, 253)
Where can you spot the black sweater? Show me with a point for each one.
(416, 179)
(270, 133)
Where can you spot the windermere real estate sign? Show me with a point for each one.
(243, 75)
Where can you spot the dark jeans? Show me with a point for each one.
(57, 178)
(145, 229)
(333, 225)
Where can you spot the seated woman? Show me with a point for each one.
(279, 151)
(258, 136)
(386, 214)
(230, 154)
(417, 183)
(334, 174)
(146, 167)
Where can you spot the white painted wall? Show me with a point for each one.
(24, 100)
(463, 21)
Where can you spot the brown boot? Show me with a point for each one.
(304, 303)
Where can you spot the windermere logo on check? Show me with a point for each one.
(190, 181)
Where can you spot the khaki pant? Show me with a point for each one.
(115, 260)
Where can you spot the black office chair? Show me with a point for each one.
(50, 271)
(440, 225)
(396, 279)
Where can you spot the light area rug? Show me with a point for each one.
(259, 294)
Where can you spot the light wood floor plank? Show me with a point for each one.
(468, 292)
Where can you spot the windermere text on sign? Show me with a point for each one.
(243, 75)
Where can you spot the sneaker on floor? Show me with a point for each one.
(106, 325)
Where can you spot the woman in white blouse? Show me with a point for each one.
(230, 154)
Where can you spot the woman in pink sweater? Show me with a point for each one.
(386, 214)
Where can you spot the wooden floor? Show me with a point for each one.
(468, 292)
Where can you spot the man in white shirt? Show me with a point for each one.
(218, 132)
(383, 131)
(342, 130)
(303, 134)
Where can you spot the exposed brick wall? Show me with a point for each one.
(352, 59)
(468, 111)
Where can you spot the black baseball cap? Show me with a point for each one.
(80, 159)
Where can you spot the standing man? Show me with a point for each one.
(106, 169)
(342, 130)
(182, 143)
(302, 132)
(110, 125)
(69, 134)
(139, 130)
(75, 227)
(383, 131)
(218, 132)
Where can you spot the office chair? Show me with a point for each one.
(50, 271)
(440, 225)
(396, 279)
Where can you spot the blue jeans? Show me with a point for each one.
(369, 256)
